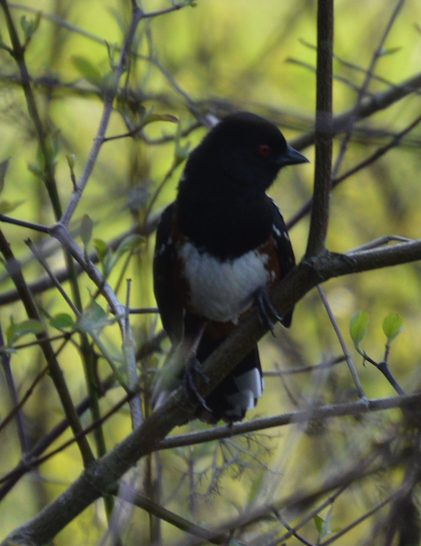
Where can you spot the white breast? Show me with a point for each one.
(222, 290)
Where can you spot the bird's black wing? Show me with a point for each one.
(169, 305)
(284, 250)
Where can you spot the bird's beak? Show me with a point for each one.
(291, 157)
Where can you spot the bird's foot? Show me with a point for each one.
(266, 312)
(193, 372)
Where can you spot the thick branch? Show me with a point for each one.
(322, 172)
(96, 480)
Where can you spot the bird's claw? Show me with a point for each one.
(266, 312)
(194, 370)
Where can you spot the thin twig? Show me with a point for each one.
(130, 360)
(108, 383)
(306, 369)
(291, 530)
(118, 70)
(44, 283)
(143, 310)
(358, 407)
(380, 241)
(174, 519)
(363, 89)
(19, 405)
(55, 282)
(305, 209)
(347, 354)
(13, 268)
(16, 411)
(23, 223)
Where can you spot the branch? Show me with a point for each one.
(111, 93)
(18, 53)
(299, 416)
(363, 90)
(362, 165)
(341, 340)
(323, 135)
(103, 473)
(368, 107)
(361, 468)
(14, 270)
(44, 283)
(134, 497)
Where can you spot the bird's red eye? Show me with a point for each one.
(264, 149)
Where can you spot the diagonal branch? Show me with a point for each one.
(102, 474)
(369, 106)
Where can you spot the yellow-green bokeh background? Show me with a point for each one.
(222, 54)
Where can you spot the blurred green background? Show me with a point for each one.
(214, 58)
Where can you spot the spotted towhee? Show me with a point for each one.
(219, 247)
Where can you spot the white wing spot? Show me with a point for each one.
(276, 231)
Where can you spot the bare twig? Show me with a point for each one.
(362, 165)
(16, 411)
(55, 282)
(341, 340)
(363, 89)
(299, 416)
(13, 268)
(44, 283)
(118, 71)
(293, 532)
(306, 369)
(130, 359)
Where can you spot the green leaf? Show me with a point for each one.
(319, 523)
(16, 331)
(94, 319)
(53, 146)
(389, 51)
(392, 326)
(131, 242)
(71, 159)
(326, 525)
(101, 249)
(9, 206)
(62, 321)
(323, 525)
(108, 263)
(30, 27)
(86, 229)
(36, 168)
(3, 169)
(358, 327)
(88, 70)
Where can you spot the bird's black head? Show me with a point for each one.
(243, 148)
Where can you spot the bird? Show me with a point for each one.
(220, 246)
